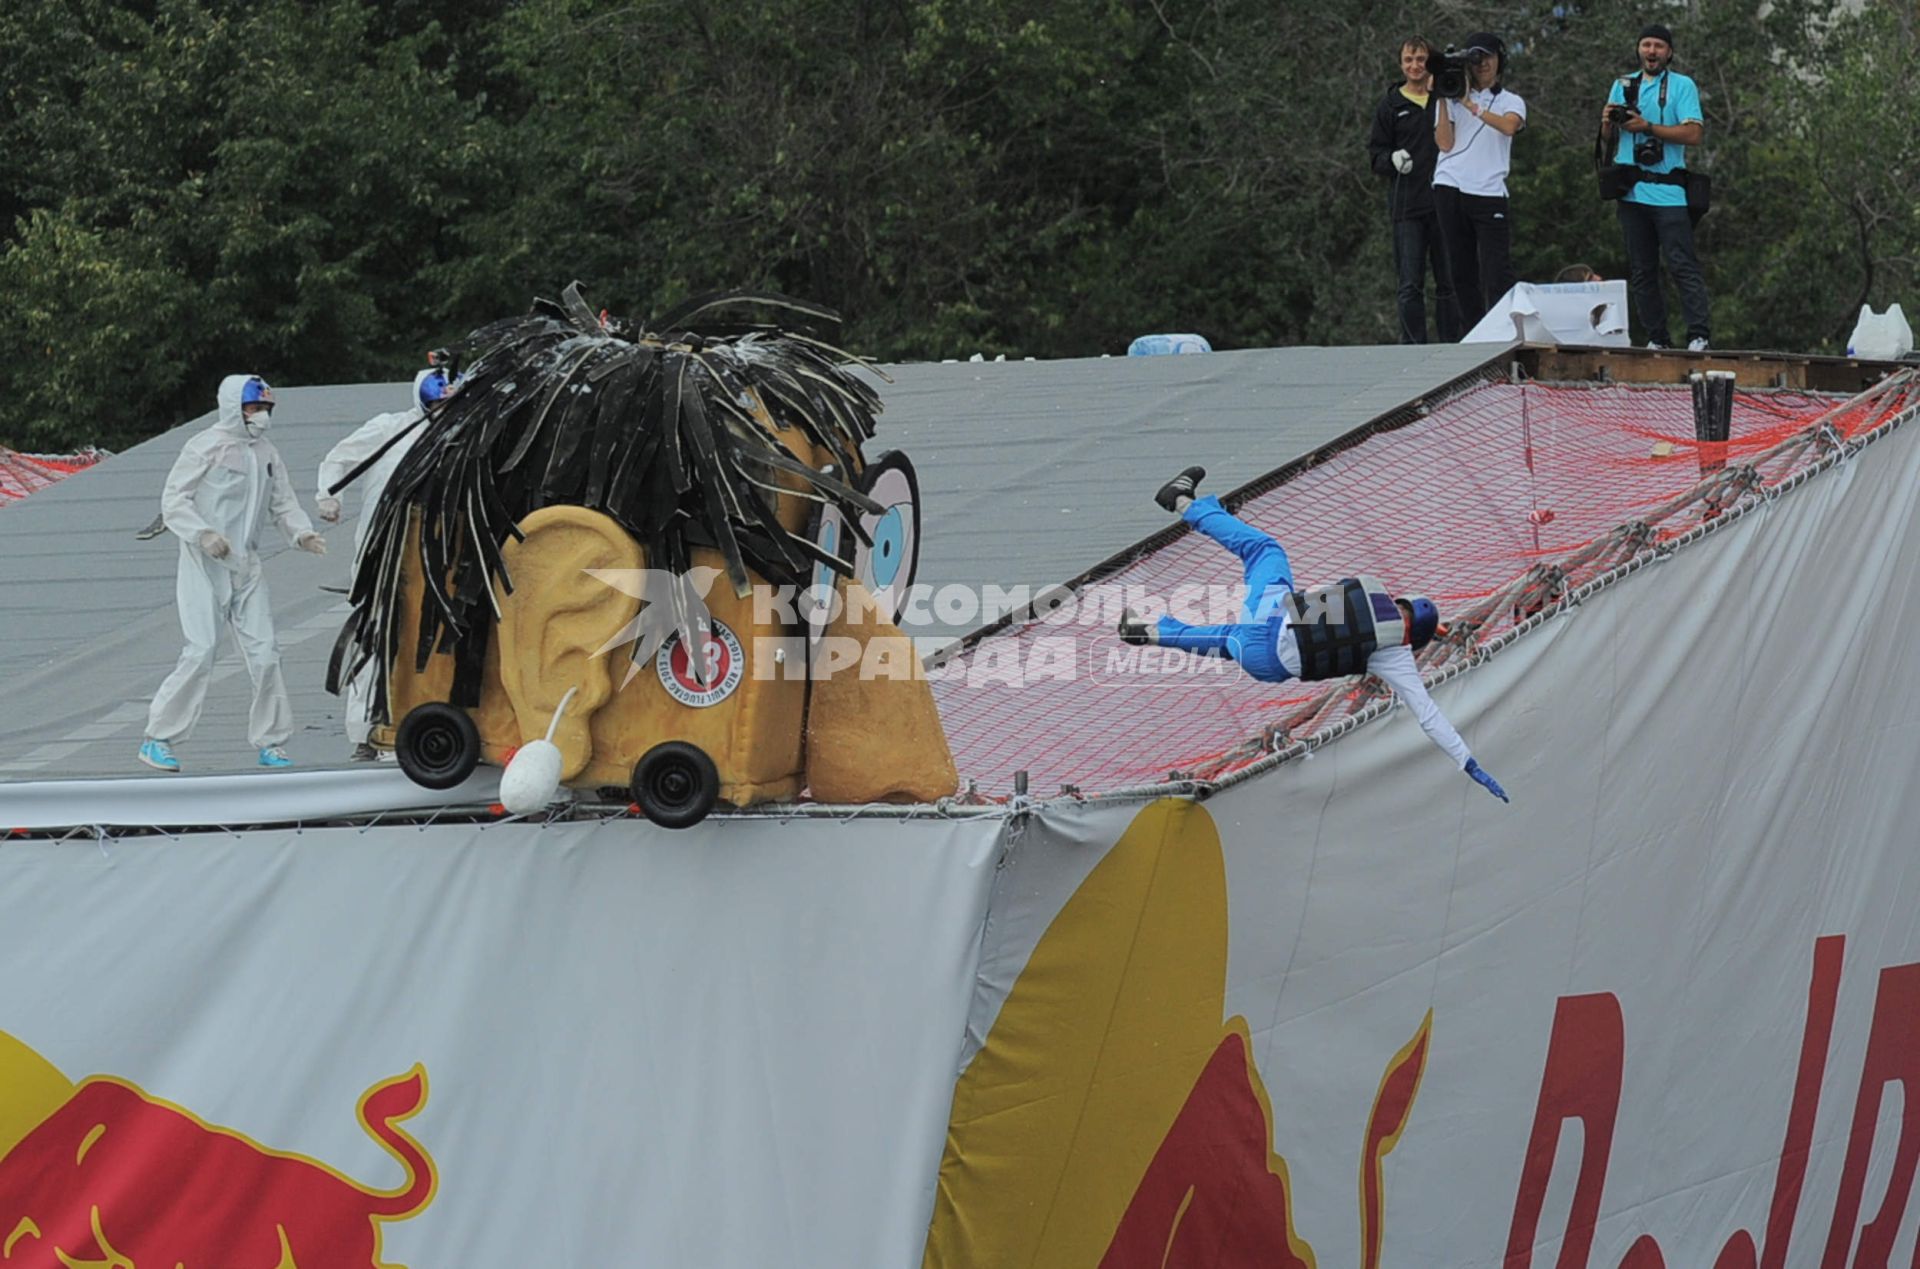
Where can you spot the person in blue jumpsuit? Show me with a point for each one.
(1373, 632)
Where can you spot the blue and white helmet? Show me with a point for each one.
(1426, 620)
(435, 387)
(256, 392)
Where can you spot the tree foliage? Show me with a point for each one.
(318, 190)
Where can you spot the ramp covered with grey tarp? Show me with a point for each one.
(1030, 473)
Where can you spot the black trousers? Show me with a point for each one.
(1477, 234)
(1651, 232)
(1416, 244)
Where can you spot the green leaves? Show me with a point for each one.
(216, 188)
(98, 334)
(319, 189)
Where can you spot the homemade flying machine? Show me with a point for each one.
(655, 558)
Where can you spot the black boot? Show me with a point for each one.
(1135, 631)
(1185, 485)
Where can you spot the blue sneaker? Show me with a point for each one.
(274, 756)
(158, 754)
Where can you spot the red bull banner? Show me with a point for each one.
(114, 1176)
(507, 1045)
(1663, 1010)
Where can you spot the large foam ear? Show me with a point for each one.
(557, 623)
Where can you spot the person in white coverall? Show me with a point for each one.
(226, 486)
(430, 387)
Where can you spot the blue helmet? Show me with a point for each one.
(435, 387)
(1426, 620)
(256, 392)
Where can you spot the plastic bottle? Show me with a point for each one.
(1161, 345)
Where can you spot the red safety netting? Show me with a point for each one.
(21, 474)
(1496, 503)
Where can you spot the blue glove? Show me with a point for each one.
(1486, 781)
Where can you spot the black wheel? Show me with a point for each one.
(675, 784)
(437, 745)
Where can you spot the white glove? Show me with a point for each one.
(1402, 162)
(329, 509)
(311, 543)
(214, 545)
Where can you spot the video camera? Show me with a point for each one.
(1450, 77)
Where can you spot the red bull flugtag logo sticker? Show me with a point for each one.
(108, 1175)
(724, 664)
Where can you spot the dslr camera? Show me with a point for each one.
(1648, 149)
(1450, 77)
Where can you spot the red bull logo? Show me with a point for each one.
(114, 1178)
(1584, 1077)
(1110, 1082)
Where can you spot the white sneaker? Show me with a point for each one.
(1659, 345)
(1696, 345)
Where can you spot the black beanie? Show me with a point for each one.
(1654, 31)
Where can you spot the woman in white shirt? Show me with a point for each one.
(1475, 138)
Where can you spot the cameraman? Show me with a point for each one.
(1655, 126)
(1475, 135)
(1401, 149)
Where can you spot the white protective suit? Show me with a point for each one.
(358, 446)
(232, 484)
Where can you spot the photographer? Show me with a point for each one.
(1475, 135)
(1401, 149)
(1656, 116)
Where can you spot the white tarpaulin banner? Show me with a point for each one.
(1664, 1009)
(1557, 313)
(579, 1044)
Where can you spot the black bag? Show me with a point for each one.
(1699, 194)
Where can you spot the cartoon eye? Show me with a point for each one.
(889, 546)
(886, 567)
